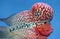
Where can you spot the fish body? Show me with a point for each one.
(30, 24)
(35, 32)
(11, 32)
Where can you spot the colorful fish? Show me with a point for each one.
(30, 24)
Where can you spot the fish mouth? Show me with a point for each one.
(44, 29)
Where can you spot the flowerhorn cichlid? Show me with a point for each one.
(17, 18)
(30, 24)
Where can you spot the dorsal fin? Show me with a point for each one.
(3, 19)
(8, 19)
(11, 15)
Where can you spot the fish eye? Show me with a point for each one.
(45, 22)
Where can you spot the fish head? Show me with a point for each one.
(42, 11)
(43, 28)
